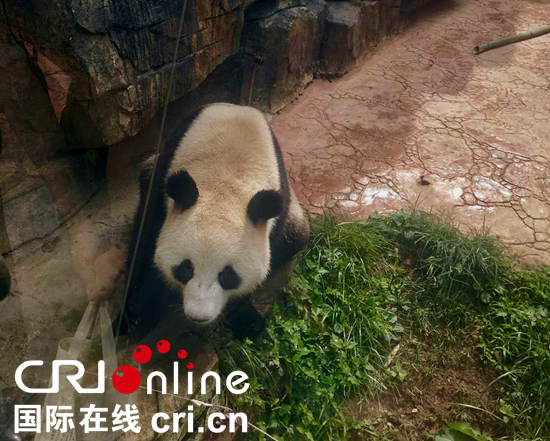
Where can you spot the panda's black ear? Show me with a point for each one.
(182, 188)
(265, 204)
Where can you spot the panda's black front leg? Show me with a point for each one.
(243, 319)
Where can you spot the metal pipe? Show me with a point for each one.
(257, 60)
(512, 39)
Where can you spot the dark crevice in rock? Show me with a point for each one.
(271, 14)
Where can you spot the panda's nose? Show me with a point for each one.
(203, 302)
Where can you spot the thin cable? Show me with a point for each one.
(151, 180)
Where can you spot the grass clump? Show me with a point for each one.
(330, 338)
(467, 284)
(449, 262)
(516, 340)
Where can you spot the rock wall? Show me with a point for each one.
(39, 187)
(78, 76)
(117, 57)
(301, 39)
(408, 7)
(119, 53)
(289, 41)
(352, 28)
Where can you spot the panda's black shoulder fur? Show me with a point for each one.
(279, 240)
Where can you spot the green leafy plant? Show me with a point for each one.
(450, 262)
(461, 431)
(467, 282)
(330, 338)
(516, 340)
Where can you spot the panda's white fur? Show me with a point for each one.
(229, 153)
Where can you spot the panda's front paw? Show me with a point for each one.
(244, 320)
(250, 328)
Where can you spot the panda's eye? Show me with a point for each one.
(184, 271)
(228, 278)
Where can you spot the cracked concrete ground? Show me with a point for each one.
(423, 122)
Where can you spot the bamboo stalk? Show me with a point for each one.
(512, 39)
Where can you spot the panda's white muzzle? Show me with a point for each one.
(203, 303)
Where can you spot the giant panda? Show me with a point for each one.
(221, 220)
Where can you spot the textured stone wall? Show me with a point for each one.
(301, 39)
(79, 76)
(39, 186)
(289, 40)
(119, 54)
(410, 6)
(352, 28)
(115, 58)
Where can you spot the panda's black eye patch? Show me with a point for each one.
(184, 271)
(228, 278)
(182, 188)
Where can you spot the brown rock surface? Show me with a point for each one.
(351, 28)
(289, 41)
(119, 56)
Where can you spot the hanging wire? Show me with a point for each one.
(151, 180)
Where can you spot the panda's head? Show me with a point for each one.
(214, 245)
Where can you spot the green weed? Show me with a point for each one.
(449, 262)
(516, 340)
(329, 339)
(331, 336)
(467, 283)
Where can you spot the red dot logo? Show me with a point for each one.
(163, 346)
(182, 353)
(126, 379)
(190, 365)
(142, 354)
